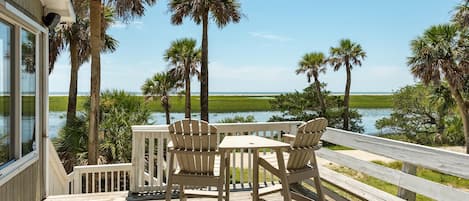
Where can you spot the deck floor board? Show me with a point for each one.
(124, 196)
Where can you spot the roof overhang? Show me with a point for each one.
(62, 7)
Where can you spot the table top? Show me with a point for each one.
(250, 141)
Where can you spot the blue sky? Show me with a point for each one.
(260, 54)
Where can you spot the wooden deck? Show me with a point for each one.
(124, 196)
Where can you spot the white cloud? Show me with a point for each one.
(270, 36)
(122, 25)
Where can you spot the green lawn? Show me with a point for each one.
(225, 103)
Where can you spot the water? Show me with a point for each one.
(369, 117)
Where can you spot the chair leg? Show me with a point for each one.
(317, 178)
(182, 195)
(222, 176)
(169, 183)
(283, 179)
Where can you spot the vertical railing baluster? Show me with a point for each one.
(112, 181)
(125, 180)
(272, 137)
(87, 183)
(99, 182)
(264, 134)
(160, 154)
(151, 159)
(250, 166)
(241, 172)
(166, 141)
(118, 180)
(105, 181)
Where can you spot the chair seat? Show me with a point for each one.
(271, 159)
(216, 170)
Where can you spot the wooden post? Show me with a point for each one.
(402, 192)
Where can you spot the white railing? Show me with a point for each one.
(149, 162)
(412, 156)
(57, 179)
(100, 178)
(149, 152)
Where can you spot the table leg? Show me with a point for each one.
(285, 184)
(227, 174)
(255, 175)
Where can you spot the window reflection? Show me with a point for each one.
(28, 91)
(6, 151)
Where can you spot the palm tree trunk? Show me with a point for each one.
(72, 91)
(187, 78)
(95, 29)
(165, 102)
(347, 98)
(463, 110)
(320, 97)
(204, 71)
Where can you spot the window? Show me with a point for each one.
(28, 91)
(6, 145)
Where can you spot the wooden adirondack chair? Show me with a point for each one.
(194, 145)
(300, 158)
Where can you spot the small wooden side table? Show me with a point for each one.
(255, 143)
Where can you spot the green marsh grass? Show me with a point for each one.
(228, 103)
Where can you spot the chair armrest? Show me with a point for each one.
(288, 138)
(170, 145)
(318, 146)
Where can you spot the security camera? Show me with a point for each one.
(51, 20)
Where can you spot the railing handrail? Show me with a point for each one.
(103, 166)
(448, 162)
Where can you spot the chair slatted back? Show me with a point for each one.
(196, 145)
(307, 138)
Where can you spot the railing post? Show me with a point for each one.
(133, 171)
(402, 192)
(76, 181)
(293, 129)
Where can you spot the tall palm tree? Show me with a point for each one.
(126, 10)
(441, 53)
(77, 37)
(312, 64)
(160, 85)
(184, 57)
(347, 54)
(200, 11)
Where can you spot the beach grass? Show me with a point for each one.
(228, 103)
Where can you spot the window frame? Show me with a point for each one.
(18, 21)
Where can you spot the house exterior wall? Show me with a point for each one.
(32, 8)
(27, 182)
(24, 186)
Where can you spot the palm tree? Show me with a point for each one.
(347, 54)
(440, 53)
(222, 12)
(76, 36)
(184, 56)
(160, 85)
(126, 10)
(461, 16)
(312, 64)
